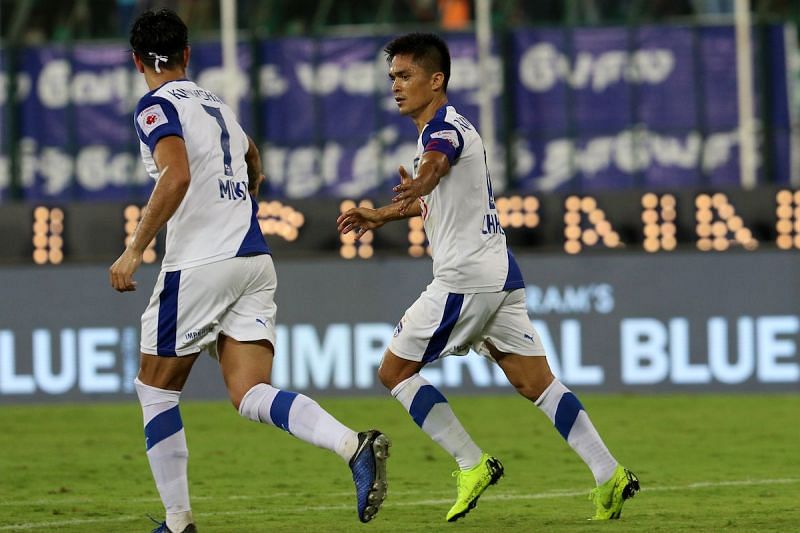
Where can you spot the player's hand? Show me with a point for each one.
(121, 272)
(360, 220)
(408, 191)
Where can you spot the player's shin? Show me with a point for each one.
(165, 441)
(299, 415)
(564, 409)
(431, 411)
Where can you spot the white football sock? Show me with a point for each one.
(570, 419)
(167, 452)
(431, 411)
(299, 415)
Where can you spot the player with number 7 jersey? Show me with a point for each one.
(216, 288)
(217, 196)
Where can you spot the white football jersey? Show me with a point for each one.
(217, 218)
(468, 244)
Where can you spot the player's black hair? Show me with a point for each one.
(161, 33)
(427, 49)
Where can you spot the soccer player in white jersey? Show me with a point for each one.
(477, 297)
(217, 280)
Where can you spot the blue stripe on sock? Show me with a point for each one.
(427, 396)
(168, 313)
(452, 309)
(163, 425)
(567, 411)
(279, 410)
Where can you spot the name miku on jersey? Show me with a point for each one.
(215, 220)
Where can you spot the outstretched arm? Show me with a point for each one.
(433, 166)
(363, 219)
(173, 182)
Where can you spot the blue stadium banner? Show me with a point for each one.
(594, 108)
(688, 322)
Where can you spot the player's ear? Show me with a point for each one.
(186, 53)
(437, 81)
(137, 61)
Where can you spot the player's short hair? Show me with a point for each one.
(158, 35)
(427, 50)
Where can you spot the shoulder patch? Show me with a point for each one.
(448, 135)
(151, 117)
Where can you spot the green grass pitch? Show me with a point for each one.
(706, 463)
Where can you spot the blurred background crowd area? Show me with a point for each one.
(600, 97)
(31, 22)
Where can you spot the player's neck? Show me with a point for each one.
(155, 79)
(429, 111)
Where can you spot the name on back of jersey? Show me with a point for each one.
(202, 94)
(491, 224)
(232, 190)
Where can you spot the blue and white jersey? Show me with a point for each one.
(468, 244)
(217, 218)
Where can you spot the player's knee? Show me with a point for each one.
(238, 394)
(394, 370)
(391, 376)
(531, 387)
(236, 400)
(386, 377)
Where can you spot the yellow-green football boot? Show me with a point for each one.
(609, 497)
(471, 484)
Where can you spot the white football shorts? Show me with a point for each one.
(191, 307)
(442, 323)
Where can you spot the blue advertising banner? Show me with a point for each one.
(653, 106)
(624, 323)
(593, 108)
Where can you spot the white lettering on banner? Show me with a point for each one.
(94, 167)
(370, 341)
(95, 362)
(57, 168)
(465, 75)
(303, 171)
(450, 372)
(760, 350)
(477, 368)
(771, 348)
(323, 364)
(271, 82)
(682, 370)
(280, 362)
(23, 86)
(52, 86)
(633, 150)
(219, 81)
(10, 381)
(542, 66)
(643, 343)
(598, 297)
(718, 360)
(357, 77)
(654, 352)
(43, 361)
(566, 363)
(88, 360)
(366, 77)
(57, 86)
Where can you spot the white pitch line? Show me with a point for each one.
(489, 497)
